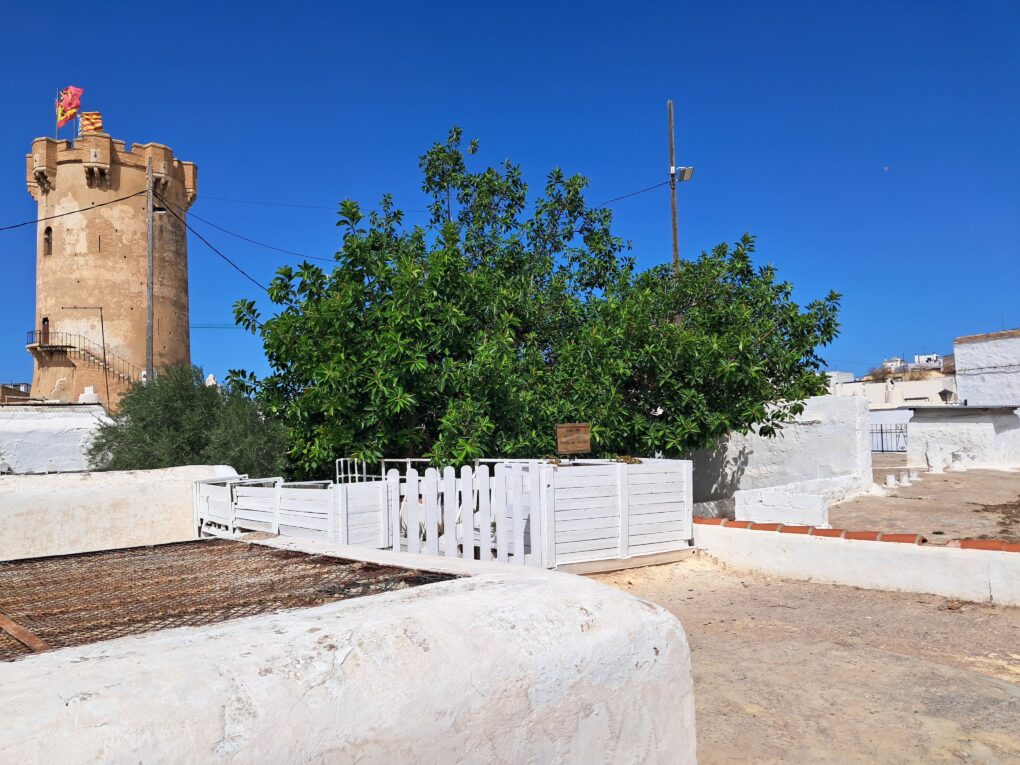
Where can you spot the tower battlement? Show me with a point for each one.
(93, 269)
(99, 155)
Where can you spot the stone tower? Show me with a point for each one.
(91, 258)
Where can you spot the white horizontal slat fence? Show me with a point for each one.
(516, 512)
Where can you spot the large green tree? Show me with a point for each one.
(176, 419)
(475, 334)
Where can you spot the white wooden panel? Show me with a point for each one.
(587, 471)
(412, 487)
(650, 549)
(676, 497)
(431, 492)
(640, 479)
(517, 502)
(320, 523)
(588, 503)
(585, 491)
(466, 486)
(673, 516)
(535, 525)
(393, 495)
(484, 513)
(665, 536)
(624, 510)
(595, 512)
(311, 508)
(301, 532)
(257, 503)
(450, 508)
(608, 548)
(659, 487)
(567, 479)
(653, 466)
(610, 536)
(499, 508)
(673, 527)
(588, 523)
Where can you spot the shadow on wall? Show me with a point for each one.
(721, 469)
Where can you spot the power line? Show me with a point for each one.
(72, 212)
(632, 194)
(208, 244)
(269, 204)
(261, 244)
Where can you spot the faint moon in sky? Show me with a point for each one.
(885, 168)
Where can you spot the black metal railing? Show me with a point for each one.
(888, 438)
(79, 346)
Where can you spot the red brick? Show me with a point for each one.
(867, 536)
(910, 539)
(816, 532)
(708, 521)
(796, 529)
(737, 524)
(766, 526)
(1010, 547)
(982, 544)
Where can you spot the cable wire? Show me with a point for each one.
(208, 244)
(632, 194)
(72, 212)
(261, 244)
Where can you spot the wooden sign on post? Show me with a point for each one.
(573, 438)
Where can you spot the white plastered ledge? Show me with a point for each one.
(505, 665)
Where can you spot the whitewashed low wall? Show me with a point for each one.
(977, 575)
(957, 438)
(66, 513)
(521, 512)
(796, 504)
(47, 438)
(828, 445)
(503, 667)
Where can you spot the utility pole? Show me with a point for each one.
(672, 187)
(148, 269)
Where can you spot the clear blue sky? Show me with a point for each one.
(873, 147)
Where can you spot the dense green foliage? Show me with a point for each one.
(475, 335)
(176, 419)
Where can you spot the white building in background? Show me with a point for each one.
(988, 368)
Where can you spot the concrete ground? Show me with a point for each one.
(973, 504)
(795, 672)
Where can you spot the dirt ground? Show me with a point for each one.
(973, 504)
(795, 672)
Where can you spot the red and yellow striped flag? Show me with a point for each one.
(91, 122)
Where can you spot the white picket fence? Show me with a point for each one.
(525, 513)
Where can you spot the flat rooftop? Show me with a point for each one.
(72, 600)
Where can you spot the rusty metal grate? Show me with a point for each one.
(78, 599)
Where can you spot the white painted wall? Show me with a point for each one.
(797, 504)
(828, 441)
(47, 438)
(500, 667)
(889, 416)
(977, 575)
(957, 438)
(65, 513)
(988, 369)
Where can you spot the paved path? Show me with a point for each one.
(975, 503)
(806, 673)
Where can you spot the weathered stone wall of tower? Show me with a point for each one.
(93, 257)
